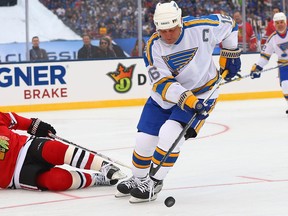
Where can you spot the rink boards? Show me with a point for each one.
(106, 83)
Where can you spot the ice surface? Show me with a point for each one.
(237, 166)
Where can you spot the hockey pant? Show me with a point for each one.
(37, 168)
(283, 76)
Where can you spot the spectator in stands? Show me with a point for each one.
(117, 49)
(36, 53)
(60, 12)
(120, 16)
(135, 50)
(251, 40)
(102, 29)
(8, 3)
(105, 46)
(89, 51)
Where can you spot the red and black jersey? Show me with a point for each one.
(10, 144)
(268, 31)
(251, 41)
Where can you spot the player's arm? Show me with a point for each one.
(161, 78)
(166, 85)
(172, 91)
(227, 33)
(33, 126)
(265, 55)
(13, 121)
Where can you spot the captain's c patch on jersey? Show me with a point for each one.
(176, 61)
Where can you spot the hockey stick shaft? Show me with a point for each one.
(88, 150)
(154, 170)
(248, 75)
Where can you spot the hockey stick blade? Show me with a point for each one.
(154, 170)
(91, 151)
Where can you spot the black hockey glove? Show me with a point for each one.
(39, 128)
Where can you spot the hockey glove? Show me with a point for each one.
(255, 71)
(229, 61)
(190, 103)
(39, 128)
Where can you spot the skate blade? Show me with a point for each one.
(118, 194)
(134, 200)
(118, 175)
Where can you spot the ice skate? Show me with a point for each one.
(112, 172)
(102, 180)
(146, 191)
(124, 187)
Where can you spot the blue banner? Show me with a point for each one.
(59, 50)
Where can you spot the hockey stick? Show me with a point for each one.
(91, 151)
(248, 75)
(154, 170)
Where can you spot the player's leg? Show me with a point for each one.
(141, 160)
(58, 179)
(58, 153)
(50, 178)
(151, 120)
(148, 189)
(283, 75)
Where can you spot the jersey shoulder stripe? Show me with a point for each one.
(265, 56)
(235, 26)
(272, 35)
(148, 57)
(211, 20)
(162, 86)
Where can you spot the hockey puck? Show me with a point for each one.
(169, 201)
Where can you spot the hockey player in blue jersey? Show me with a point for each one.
(179, 62)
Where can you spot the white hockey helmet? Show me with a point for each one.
(167, 15)
(279, 16)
